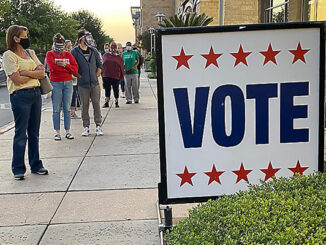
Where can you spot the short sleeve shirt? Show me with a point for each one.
(130, 59)
(13, 63)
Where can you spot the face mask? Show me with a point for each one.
(106, 50)
(88, 42)
(58, 50)
(24, 42)
(128, 48)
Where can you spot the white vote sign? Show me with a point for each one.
(237, 107)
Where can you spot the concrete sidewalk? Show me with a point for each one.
(100, 190)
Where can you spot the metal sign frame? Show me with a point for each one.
(163, 195)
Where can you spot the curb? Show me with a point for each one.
(7, 127)
(11, 125)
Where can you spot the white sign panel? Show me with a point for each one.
(237, 107)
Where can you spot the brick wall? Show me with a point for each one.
(241, 12)
(150, 8)
(235, 11)
(211, 9)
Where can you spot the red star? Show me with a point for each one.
(299, 53)
(242, 173)
(214, 175)
(211, 58)
(298, 169)
(270, 54)
(241, 56)
(270, 171)
(182, 59)
(186, 177)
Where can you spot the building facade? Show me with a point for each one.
(136, 20)
(149, 10)
(235, 12)
(292, 10)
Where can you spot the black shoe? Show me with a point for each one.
(128, 102)
(41, 171)
(106, 104)
(136, 102)
(117, 105)
(19, 176)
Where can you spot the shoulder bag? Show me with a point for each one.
(45, 85)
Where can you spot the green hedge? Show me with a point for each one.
(282, 211)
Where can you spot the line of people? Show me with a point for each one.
(73, 72)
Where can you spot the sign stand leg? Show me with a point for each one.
(168, 217)
(167, 220)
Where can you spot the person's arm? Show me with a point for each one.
(73, 66)
(38, 73)
(59, 66)
(74, 54)
(135, 66)
(98, 72)
(11, 68)
(50, 61)
(18, 79)
(99, 64)
(122, 69)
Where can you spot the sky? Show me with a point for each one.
(115, 15)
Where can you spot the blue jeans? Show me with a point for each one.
(26, 106)
(61, 96)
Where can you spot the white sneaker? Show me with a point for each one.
(85, 131)
(98, 131)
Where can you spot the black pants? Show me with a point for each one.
(108, 83)
(75, 101)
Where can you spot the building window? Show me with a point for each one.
(314, 10)
(276, 11)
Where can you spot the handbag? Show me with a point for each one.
(45, 85)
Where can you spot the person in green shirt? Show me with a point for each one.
(131, 60)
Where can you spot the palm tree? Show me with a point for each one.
(191, 19)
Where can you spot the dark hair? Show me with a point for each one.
(81, 33)
(59, 39)
(128, 43)
(14, 31)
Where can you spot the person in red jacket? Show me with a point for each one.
(112, 74)
(62, 65)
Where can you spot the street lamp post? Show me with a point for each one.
(159, 17)
(151, 32)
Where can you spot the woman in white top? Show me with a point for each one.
(24, 70)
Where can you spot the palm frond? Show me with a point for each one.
(191, 19)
